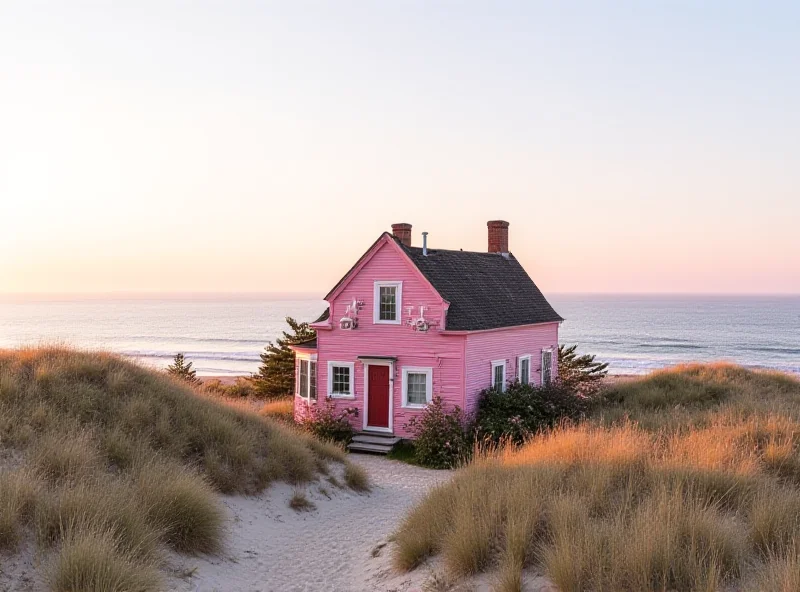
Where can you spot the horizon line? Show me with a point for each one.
(311, 295)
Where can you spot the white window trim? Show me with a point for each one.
(495, 364)
(352, 367)
(310, 358)
(428, 372)
(376, 307)
(541, 365)
(519, 368)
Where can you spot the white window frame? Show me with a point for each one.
(352, 367)
(519, 368)
(376, 308)
(428, 386)
(311, 359)
(541, 365)
(495, 364)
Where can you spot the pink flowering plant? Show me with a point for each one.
(327, 423)
(441, 436)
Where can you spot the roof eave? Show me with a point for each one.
(494, 329)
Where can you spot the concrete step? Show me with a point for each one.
(364, 447)
(388, 439)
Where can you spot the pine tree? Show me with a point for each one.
(183, 369)
(275, 376)
(582, 373)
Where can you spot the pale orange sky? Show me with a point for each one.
(157, 148)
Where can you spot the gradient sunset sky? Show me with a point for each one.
(253, 146)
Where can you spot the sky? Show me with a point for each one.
(262, 147)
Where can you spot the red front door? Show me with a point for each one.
(378, 394)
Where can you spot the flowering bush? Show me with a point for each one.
(326, 423)
(522, 410)
(441, 438)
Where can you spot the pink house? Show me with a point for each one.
(408, 323)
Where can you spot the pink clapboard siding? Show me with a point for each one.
(432, 349)
(485, 347)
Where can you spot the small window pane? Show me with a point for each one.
(417, 388)
(525, 370)
(498, 377)
(302, 389)
(312, 381)
(341, 380)
(388, 303)
(547, 366)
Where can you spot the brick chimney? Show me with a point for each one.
(498, 236)
(402, 232)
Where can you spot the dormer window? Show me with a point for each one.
(388, 302)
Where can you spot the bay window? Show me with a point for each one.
(307, 379)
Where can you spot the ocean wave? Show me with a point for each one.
(194, 355)
(770, 349)
(673, 345)
(643, 366)
(167, 338)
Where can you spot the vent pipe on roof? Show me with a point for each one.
(425, 244)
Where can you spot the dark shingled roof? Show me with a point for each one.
(309, 344)
(485, 290)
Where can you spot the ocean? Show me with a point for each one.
(225, 335)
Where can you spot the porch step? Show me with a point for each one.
(372, 442)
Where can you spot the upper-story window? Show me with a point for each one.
(388, 302)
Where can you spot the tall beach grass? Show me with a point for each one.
(688, 479)
(105, 464)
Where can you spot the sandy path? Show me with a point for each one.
(271, 547)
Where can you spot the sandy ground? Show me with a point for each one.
(341, 545)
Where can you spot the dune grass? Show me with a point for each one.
(280, 409)
(105, 464)
(356, 478)
(299, 502)
(688, 479)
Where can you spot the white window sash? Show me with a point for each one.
(499, 364)
(428, 372)
(547, 368)
(525, 358)
(308, 359)
(398, 303)
(352, 367)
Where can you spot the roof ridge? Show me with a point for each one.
(430, 250)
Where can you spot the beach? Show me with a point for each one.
(224, 336)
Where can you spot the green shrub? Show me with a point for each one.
(440, 436)
(581, 373)
(326, 423)
(523, 410)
